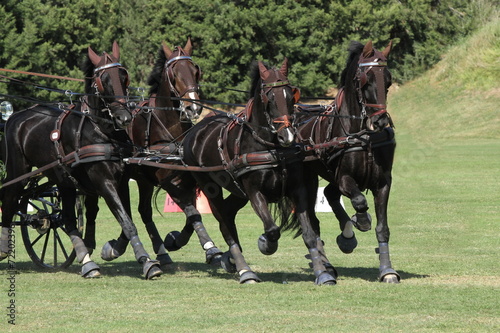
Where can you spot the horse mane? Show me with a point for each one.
(154, 78)
(355, 49)
(254, 77)
(88, 72)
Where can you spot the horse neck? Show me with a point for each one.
(258, 121)
(349, 108)
(167, 125)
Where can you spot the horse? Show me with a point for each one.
(253, 156)
(77, 149)
(157, 126)
(353, 146)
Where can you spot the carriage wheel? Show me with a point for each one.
(43, 231)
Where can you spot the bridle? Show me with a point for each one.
(377, 66)
(113, 69)
(169, 71)
(284, 121)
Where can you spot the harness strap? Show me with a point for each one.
(90, 153)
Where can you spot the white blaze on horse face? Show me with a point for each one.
(288, 137)
(195, 107)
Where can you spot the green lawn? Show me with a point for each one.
(444, 226)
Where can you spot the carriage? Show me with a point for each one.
(269, 154)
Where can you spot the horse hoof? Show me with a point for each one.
(226, 263)
(108, 251)
(346, 245)
(325, 279)
(152, 269)
(267, 247)
(389, 275)
(390, 278)
(90, 270)
(169, 241)
(249, 277)
(213, 256)
(362, 221)
(164, 259)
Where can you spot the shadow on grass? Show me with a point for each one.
(134, 270)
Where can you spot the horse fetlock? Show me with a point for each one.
(347, 245)
(139, 251)
(213, 256)
(266, 246)
(359, 203)
(109, 252)
(228, 263)
(164, 259)
(170, 241)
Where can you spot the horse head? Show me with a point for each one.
(183, 75)
(373, 80)
(110, 81)
(278, 98)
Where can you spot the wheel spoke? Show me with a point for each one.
(61, 245)
(45, 244)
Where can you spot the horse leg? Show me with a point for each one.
(233, 260)
(298, 192)
(361, 220)
(145, 208)
(387, 273)
(89, 268)
(346, 241)
(268, 241)
(182, 189)
(118, 200)
(91, 210)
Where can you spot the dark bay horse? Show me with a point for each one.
(156, 130)
(77, 149)
(260, 164)
(357, 152)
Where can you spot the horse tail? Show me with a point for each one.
(284, 213)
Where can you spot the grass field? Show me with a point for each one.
(443, 214)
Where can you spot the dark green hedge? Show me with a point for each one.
(52, 37)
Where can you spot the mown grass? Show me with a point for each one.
(445, 243)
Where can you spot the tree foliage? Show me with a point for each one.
(51, 36)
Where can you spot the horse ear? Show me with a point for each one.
(368, 50)
(93, 56)
(263, 71)
(116, 50)
(284, 67)
(166, 49)
(387, 49)
(189, 47)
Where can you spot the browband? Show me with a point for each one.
(177, 58)
(115, 64)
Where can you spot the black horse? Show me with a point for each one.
(73, 149)
(354, 150)
(258, 163)
(158, 126)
